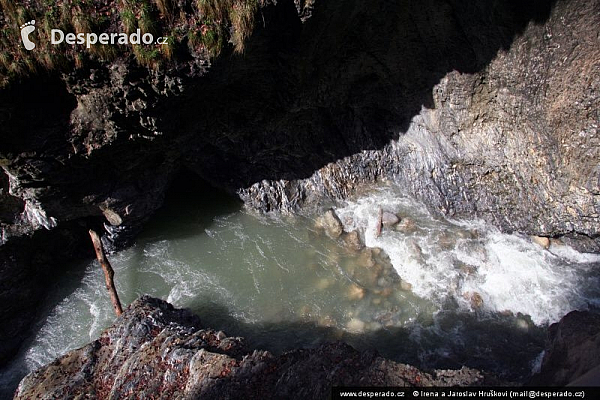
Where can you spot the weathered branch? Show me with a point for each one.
(379, 223)
(109, 273)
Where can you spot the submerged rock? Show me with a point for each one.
(406, 226)
(355, 292)
(331, 223)
(156, 351)
(355, 325)
(352, 241)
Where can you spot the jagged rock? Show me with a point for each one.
(156, 351)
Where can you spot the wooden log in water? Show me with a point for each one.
(109, 273)
(379, 223)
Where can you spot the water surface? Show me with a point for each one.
(430, 291)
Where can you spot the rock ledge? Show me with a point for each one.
(156, 351)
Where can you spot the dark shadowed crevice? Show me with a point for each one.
(351, 79)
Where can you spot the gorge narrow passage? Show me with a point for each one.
(430, 291)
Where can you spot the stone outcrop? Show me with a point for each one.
(573, 349)
(478, 108)
(511, 143)
(156, 351)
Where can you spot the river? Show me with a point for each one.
(430, 291)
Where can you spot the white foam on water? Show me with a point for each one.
(257, 268)
(77, 319)
(459, 258)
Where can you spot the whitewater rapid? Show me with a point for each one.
(455, 258)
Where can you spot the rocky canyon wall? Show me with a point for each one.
(481, 109)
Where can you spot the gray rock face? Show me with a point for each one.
(156, 351)
(512, 143)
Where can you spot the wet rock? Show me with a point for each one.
(407, 226)
(475, 300)
(352, 241)
(405, 286)
(388, 219)
(365, 258)
(156, 351)
(466, 234)
(446, 240)
(414, 248)
(323, 283)
(572, 349)
(355, 292)
(466, 269)
(355, 325)
(331, 223)
(542, 241)
(112, 217)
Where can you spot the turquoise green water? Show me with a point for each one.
(282, 283)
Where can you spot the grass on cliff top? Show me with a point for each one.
(193, 26)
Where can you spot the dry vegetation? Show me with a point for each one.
(188, 25)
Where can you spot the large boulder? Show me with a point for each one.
(156, 351)
(573, 349)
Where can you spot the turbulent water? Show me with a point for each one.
(429, 291)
